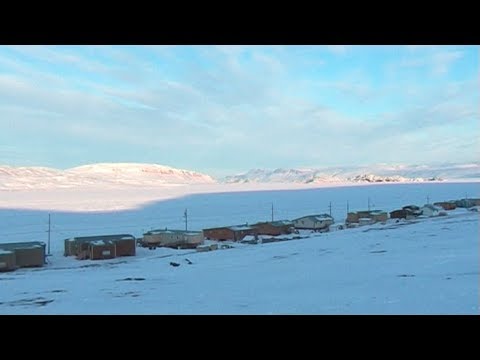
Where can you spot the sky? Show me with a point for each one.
(224, 110)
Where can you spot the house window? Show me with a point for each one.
(303, 222)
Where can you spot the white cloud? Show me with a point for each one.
(240, 110)
(438, 60)
(442, 61)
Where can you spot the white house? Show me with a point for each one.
(430, 210)
(313, 222)
(173, 238)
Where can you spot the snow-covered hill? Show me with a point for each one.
(22, 178)
(114, 175)
(374, 173)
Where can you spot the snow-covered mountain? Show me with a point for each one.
(151, 175)
(136, 174)
(374, 173)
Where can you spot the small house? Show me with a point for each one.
(101, 250)
(314, 222)
(352, 217)
(125, 246)
(365, 221)
(446, 205)
(79, 246)
(7, 260)
(172, 238)
(430, 210)
(355, 216)
(466, 203)
(374, 215)
(399, 214)
(378, 216)
(234, 233)
(364, 213)
(274, 228)
(27, 254)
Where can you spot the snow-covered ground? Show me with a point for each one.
(426, 267)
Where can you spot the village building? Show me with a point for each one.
(365, 221)
(467, 203)
(430, 210)
(7, 260)
(352, 218)
(414, 209)
(125, 245)
(402, 214)
(446, 205)
(172, 238)
(233, 233)
(374, 216)
(27, 254)
(314, 222)
(101, 250)
(274, 228)
(378, 215)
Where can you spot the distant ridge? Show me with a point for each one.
(151, 175)
(374, 173)
(134, 174)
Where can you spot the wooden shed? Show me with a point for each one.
(79, 246)
(234, 233)
(69, 247)
(378, 216)
(27, 254)
(101, 250)
(125, 246)
(399, 214)
(366, 221)
(352, 217)
(466, 203)
(7, 260)
(446, 205)
(274, 228)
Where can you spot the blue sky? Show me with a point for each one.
(227, 109)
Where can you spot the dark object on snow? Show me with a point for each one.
(174, 264)
(188, 261)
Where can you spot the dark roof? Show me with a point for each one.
(233, 227)
(411, 207)
(318, 217)
(166, 231)
(102, 237)
(278, 223)
(22, 245)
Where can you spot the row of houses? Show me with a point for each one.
(93, 248)
(22, 255)
(192, 239)
(30, 254)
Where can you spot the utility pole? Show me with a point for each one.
(428, 199)
(368, 204)
(186, 219)
(330, 208)
(49, 234)
(348, 208)
(272, 212)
